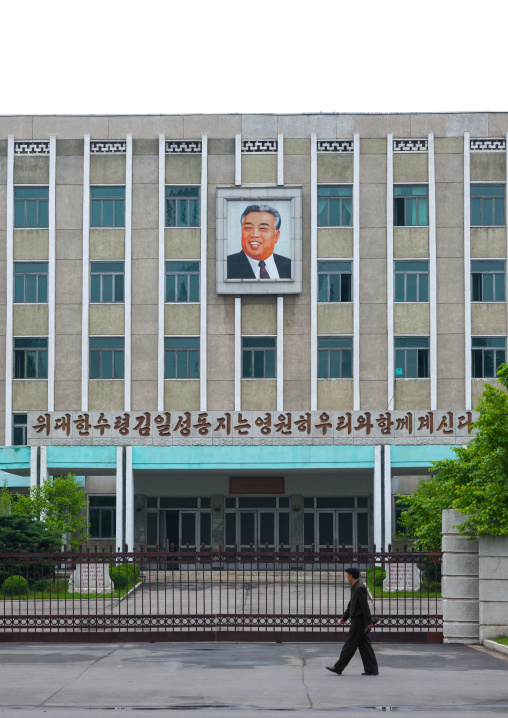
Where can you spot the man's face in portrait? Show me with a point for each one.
(259, 235)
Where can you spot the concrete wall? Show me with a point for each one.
(493, 567)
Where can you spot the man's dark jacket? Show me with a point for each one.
(239, 266)
(358, 606)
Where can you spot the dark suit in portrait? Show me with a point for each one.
(239, 266)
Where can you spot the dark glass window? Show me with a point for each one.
(30, 357)
(259, 357)
(410, 205)
(488, 280)
(107, 282)
(182, 281)
(107, 206)
(488, 353)
(182, 206)
(411, 357)
(335, 357)
(334, 282)
(31, 206)
(102, 516)
(411, 281)
(181, 357)
(31, 282)
(106, 357)
(487, 205)
(19, 429)
(334, 205)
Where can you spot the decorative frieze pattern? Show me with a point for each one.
(335, 145)
(258, 146)
(108, 147)
(250, 427)
(183, 147)
(31, 147)
(410, 145)
(488, 145)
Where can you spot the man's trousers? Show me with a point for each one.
(357, 639)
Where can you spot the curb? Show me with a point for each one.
(494, 646)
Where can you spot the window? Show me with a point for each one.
(31, 282)
(19, 429)
(182, 281)
(411, 281)
(106, 282)
(335, 357)
(401, 531)
(106, 357)
(182, 206)
(487, 205)
(102, 516)
(488, 280)
(412, 357)
(259, 357)
(410, 205)
(31, 207)
(107, 206)
(30, 357)
(487, 354)
(181, 357)
(334, 205)
(334, 281)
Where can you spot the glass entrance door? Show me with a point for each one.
(251, 527)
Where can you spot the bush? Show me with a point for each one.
(15, 530)
(15, 586)
(375, 576)
(125, 575)
(43, 585)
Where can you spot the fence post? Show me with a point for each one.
(459, 583)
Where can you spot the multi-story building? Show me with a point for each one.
(204, 396)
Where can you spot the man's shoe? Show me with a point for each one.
(371, 673)
(333, 670)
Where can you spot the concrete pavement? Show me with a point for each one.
(264, 679)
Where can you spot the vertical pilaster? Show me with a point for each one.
(356, 272)
(34, 467)
(387, 498)
(467, 269)
(238, 160)
(389, 270)
(313, 272)
(9, 281)
(128, 276)
(51, 271)
(238, 353)
(377, 498)
(203, 277)
(280, 353)
(280, 159)
(86, 274)
(432, 273)
(120, 536)
(162, 273)
(129, 499)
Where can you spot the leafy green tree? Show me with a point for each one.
(59, 502)
(26, 531)
(475, 482)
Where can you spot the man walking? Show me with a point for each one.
(359, 612)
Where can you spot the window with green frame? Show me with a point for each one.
(488, 205)
(259, 357)
(334, 205)
(410, 205)
(182, 206)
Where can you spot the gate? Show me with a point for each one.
(242, 594)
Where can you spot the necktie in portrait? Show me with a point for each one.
(263, 273)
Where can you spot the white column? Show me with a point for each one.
(356, 272)
(280, 353)
(203, 278)
(128, 276)
(506, 276)
(387, 498)
(86, 274)
(467, 269)
(43, 463)
(280, 159)
(238, 159)
(9, 281)
(313, 273)
(389, 269)
(238, 353)
(432, 273)
(51, 272)
(129, 499)
(377, 498)
(33, 467)
(162, 272)
(119, 498)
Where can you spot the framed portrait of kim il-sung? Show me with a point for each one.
(259, 240)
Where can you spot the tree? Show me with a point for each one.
(475, 482)
(60, 502)
(26, 531)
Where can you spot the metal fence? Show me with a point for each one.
(242, 594)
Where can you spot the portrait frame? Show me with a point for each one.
(230, 203)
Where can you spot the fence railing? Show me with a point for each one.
(253, 593)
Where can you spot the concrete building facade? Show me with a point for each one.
(288, 411)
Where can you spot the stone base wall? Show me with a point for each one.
(493, 595)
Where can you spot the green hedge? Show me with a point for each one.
(375, 576)
(15, 586)
(125, 575)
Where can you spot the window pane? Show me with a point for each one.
(182, 213)
(118, 357)
(43, 215)
(194, 212)
(322, 213)
(488, 288)
(19, 289)
(411, 286)
(193, 365)
(107, 364)
(96, 214)
(108, 207)
(499, 211)
(475, 212)
(95, 365)
(95, 523)
(259, 364)
(120, 213)
(399, 288)
(182, 287)
(19, 214)
(106, 524)
(107, 288)
(170, 213)
(322, 287)
(398, 213)
(487, 207)
(31, 364)
(477, 364)
(270, 364)
(346, 213)
(423, 215)
(488, 364)
(334, 212)
(119, 283)
(170, 288)
(423, 288)
(170, 366)
(43, 288)
(345, 289)
(95, 288)
(194, 288)
(335, 282)
(247, 364)
(411, 363)
(181, 365)
(500, 284)
(31, 214)
(323, 364)
(334, 364)
(410, 214)
(347, 370)
(476, 287)
(423, 363)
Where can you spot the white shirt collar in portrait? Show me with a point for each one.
(270, 267)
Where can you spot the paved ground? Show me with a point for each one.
(90, 680)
